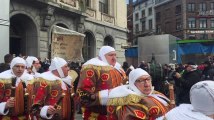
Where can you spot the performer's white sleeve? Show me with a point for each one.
(44, 111)
(2, 108)
(103, 96)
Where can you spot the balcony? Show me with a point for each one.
(91, 13)
(107, 18)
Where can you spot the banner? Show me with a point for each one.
(67, 44)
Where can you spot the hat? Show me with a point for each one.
(202, 97)
(133, 76)
(103, 51)
(17, 60)
(29, 60)
(56, 64)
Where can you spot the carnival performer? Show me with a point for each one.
(201, 107)
(33, 65)
(52, 92)
(15, 86)
(97, 77)
(138, 100)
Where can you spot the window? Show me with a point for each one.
(88, 3)
(109, 41)
(212, 6)
(150, 11)
(150, 24)
(158, 29)
(202, 7)
(178, 24)
(143, 26)
(136, 16)
(103, 6)
(136, 28)
(178, 9)
(203, 23)
(88, 46)
(191, 7)
(212, 23)
(143, 13)
(191, 22)
(158, 16)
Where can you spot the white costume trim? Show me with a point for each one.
(159, 98)
(51, 77)
(103, 95)
(96, 61)
(103, 51)
(44, 111)
(184, 112)
(56, 64)
(8, 74)
(2, 109)
(29, 60)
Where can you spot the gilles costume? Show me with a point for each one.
(202, 104)
(23, 90)
(29, 63)
(54, 91)
(96, 78)
(128, 103)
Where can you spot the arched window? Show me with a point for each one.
(23, 35)
(109, 41)
(88, 46)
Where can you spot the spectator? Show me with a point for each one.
(125, 66)
(190, 76)
(6, 65)
(208, 72)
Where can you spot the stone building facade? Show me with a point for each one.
(185, 19)
(105, 24)
(102, 21)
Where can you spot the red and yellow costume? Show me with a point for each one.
(22, 96)
(137, 100)
(96, 78)
(134, 107)
(47, 91)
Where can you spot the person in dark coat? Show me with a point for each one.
(208, 72)
(125, 66)
(185, 81)
(6, 65)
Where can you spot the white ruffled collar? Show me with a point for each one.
(96, 61)
(8, 74)
(51, 77)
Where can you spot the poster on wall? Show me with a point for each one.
(67, 44)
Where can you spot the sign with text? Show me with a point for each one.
(200, 31)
